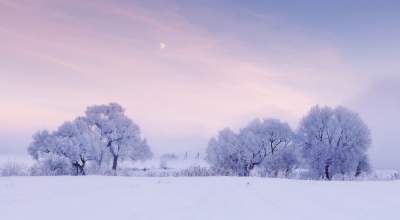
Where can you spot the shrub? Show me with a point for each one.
(52, 166)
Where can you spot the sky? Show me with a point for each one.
(184, 70)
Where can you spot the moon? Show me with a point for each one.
(162, 45)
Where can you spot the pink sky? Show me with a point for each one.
(58, 57)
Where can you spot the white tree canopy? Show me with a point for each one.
(105, 130)
(261, 140)
(72, 140)
(119, 133)
(334, 141)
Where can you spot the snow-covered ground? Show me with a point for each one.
(206, 198)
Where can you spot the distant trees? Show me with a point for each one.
(104, 130)
(169, 156)
(334, 141)
(329, 142)
(258, 144)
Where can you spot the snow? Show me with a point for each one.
(208, 198)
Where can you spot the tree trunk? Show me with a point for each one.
(245, 171)
(287, 172)
(83, 171)
(82, 168)
(100, 159)
(358, 170)
(77, 169)
(327, 176)
(115, 162)
(249, 168)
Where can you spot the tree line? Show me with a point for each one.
(328, 142)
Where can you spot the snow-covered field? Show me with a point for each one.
(206, 198)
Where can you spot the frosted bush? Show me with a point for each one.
(52, 166)
(195, 171)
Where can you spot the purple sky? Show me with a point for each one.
(186, 69)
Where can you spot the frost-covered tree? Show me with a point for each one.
(41, 145)
(363, 166)
(104, 132)
(258, 144)
(334, 141)
(264, 140)
(282, 163)
(52, 165)
(74, 141)
(141, 152)
(224, 153)
(120, 134)
(77, 142)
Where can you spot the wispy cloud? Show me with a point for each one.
(63, 55)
